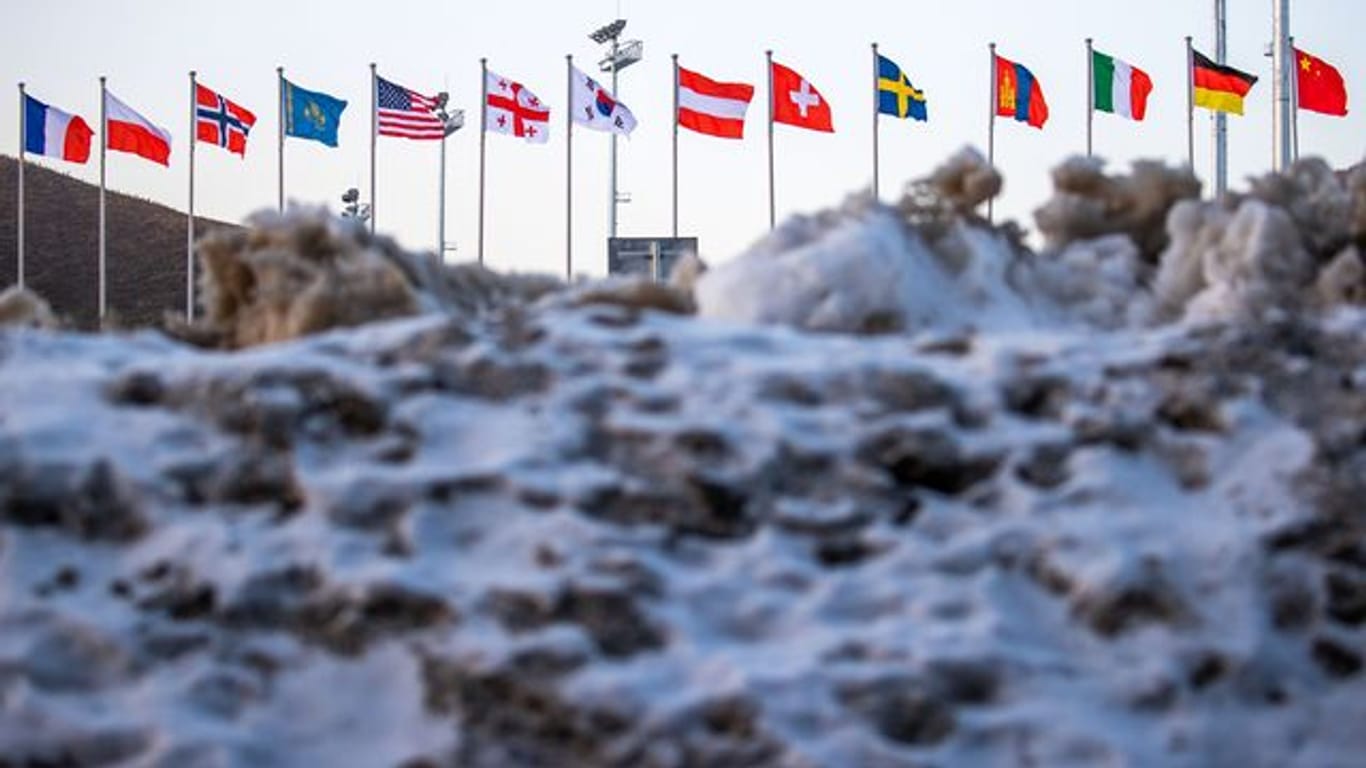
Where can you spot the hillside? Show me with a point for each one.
(146, 255)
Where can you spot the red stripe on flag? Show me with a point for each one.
(711, 125)
(708, 87)
(130, 137)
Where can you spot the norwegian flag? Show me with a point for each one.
(219, 121)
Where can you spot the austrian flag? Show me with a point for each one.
(221, 122)
(512, 109)
(716, 109)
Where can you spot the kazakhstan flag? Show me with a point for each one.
(895, 94)
(311, 115)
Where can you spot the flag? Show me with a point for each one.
(895, 94)
(311, 115)
(512, 109)
(50, 132)
(1220, 88)
(594, 107)
(406, 113)
(221, 122)
(716, 109)
(1320, 85)
(1120, 88)
(797, 102)
(127, 131)
(1018, 94)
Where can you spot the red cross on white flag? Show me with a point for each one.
(514, 110)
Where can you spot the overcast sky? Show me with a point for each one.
(147, 47)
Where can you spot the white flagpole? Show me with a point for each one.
(991, 127)
(189, 218)
(1294, 102)
(23, 141)
(876, 97)
(280, 76)
(772, 202)
(104, 143)
(1190, 103)
(483, 141)
(1090, 96)
(1283, 60)
(374, 141)
(441, 202)
(675, 149)
(569, 169)
(1220, 119)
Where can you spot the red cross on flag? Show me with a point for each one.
(797, 102)
(512, 109)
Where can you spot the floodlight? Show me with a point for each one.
(609, 33)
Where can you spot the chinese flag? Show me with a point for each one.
(1320, 85)
(797, 102)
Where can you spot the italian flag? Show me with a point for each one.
(1120, 88)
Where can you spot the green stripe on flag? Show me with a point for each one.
(1103, 75)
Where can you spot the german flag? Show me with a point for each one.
(1220, 88)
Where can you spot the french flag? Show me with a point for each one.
(53, 133)
(127, 131)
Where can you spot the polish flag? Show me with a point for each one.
(127, 131)
(797, 102)
(716, 109)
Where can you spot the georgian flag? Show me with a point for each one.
(594, 107)
(510, 108)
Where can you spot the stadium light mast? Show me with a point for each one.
(1220, 119)
(619, 56)
(453, 120)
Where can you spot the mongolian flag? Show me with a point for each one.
(1018, 94)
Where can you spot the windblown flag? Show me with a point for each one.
(221, 122)
(127, 131)
(1220, 88)
(895, 94)
(1320, 85)
(1120, 88)
(512, 109)
(311, 115)
(406, 113)
(797, 102)
(594, 107)
(716, 109)
(1018, 94)
(50, 132)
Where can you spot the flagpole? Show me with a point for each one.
(991, 127)
(483, 141)
(569, 169)
(772, 203)
(280, 164)
(374, 141)
(23, 142)
(1220, 119)
(441, 202)
(675, 149)
(1190, 103)
(104, 143)
(1281, 59)
(1090, 96)
(189, 218)
(1294, 103)
(875, 123)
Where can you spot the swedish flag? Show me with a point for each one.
(310, 114)
(895, 94)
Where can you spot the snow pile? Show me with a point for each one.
(595, 535)
(23, 308)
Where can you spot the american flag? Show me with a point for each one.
(406, 113)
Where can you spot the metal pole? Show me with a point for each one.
(441, 204)
(1295, 101)
(104, 143)
(280, 164)
(1220, 119)
(612, 160)
(374, 138)
(876, 123)
(1090, 96)
(991, 128)
(1282, 60)
(189, 219)
(23, 142)
(569, 169)
(483, 141)
(675, 149)
(654, 261)
(1190, 102)
(772, 202)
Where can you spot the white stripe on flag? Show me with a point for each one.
(711, 105)
(54, 132)
(1123, 89)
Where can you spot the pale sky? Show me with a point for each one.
(147, 47)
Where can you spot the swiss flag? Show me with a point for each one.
(797, 102)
